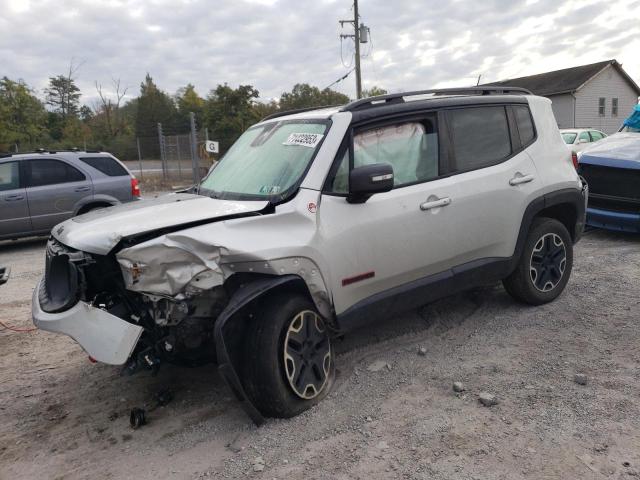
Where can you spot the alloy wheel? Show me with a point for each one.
(307, 355)
(548, 261)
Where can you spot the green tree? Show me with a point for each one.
(304, 95)
(229, 112)
(187, 100)
(63, 95)
(373, 92)
(153, 106)
(22, 116)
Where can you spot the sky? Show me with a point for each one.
(274, 44)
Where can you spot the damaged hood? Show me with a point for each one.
(620, 150)
(101, 230)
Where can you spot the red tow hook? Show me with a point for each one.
(92, 360)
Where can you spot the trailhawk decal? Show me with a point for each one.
(304, 139)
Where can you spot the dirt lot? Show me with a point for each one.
(63, 417)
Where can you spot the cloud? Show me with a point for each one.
(273, 44)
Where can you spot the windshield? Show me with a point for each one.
(569, 137)
(267, 162)
(627, 128)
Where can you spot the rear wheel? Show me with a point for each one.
(288, 361)
(545, 265)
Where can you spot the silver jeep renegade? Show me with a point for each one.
(314, 223)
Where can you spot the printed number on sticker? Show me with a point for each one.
(304, 139)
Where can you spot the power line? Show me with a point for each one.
(341, 78)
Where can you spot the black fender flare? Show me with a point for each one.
(246, 294)
(575, 197)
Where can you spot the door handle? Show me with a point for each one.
(82, 189)
(520, 179)
(13, 198)
(441, 202)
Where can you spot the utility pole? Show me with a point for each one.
(358, 31)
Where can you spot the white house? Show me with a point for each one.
(600, 95)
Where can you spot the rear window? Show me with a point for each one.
(480, 137)
(106, 165)
(569, 137)
(525, 124)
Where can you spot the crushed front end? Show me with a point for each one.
(84, 296)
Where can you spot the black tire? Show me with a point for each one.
(265, 375)
(545, 266)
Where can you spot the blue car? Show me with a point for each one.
(612, 170)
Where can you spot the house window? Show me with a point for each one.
(614, 107)
(601, 106)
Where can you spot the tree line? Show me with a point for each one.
(61, 121)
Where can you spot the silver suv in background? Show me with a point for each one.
(41, 189)
(315, 223)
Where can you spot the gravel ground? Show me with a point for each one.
(393, 412)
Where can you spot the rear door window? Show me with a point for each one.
(584, 136)
(106, 165)
(9, 176)
(481, 137)
(51, 172)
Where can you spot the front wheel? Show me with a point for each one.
(545, 264)
(288, 363)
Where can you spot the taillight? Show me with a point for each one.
(135, 187)
(574, 159)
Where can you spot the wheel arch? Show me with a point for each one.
(246, 292)
(567, 206)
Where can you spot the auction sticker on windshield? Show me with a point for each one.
(304, 139)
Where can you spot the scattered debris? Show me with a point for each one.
(258, 464)
(487, 399)
(378, 365)
(587, 460)
(580, 378)
(458, 387)
(137, 417)
(382, 445)
(422, 351)
(369, 419)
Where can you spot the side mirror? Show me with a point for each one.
(369, 179)
(583, 140)
(4, 274)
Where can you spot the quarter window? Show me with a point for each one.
(525, 124)
(602, 103)
(614, 107)
(106, 165)
(51, 172)
(9, 176)
(480, 137)
(411, 148)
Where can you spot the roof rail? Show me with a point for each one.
(297, 110)
(399, 97)
(42, 150)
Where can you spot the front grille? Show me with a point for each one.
(59, 291)
(622, 183)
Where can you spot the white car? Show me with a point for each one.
(315, 223)
(579, 138)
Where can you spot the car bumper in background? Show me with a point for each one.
(105, 337)
(610, 220)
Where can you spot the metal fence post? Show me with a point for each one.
(194, 149)
(139, 157)
(162, 152)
